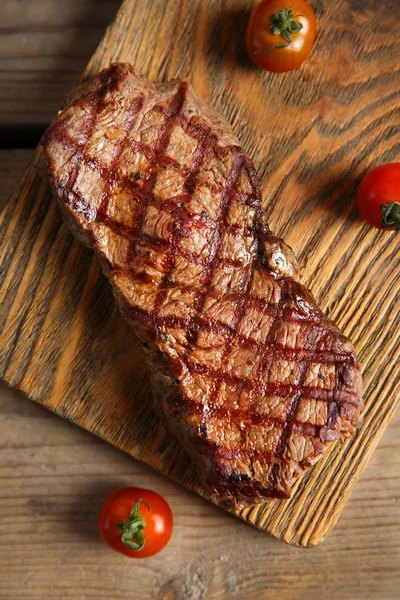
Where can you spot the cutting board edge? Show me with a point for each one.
(91, 67)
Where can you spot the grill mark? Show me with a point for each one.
(333, 408)
(166, 206)
(255, 201)
(226, 452)
(124, 180)
(266, 362)
(304, 366)
(176, 105)
(284, 352)
(234, 415)
(209, 269)
(195, 130)
(271, 339)
(116, 227)
(132, 113)
(231, 453)
(239, 312)
(105, 171)
(96, 101)
(67, 189)
(179, 227)
(269, 309)
(289, 426)
(155, 242)
(216, 240)
(229, 262)
(170, 163)
(252, 301)
(270, 389)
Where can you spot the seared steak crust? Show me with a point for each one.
(247, 371)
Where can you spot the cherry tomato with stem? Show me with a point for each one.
(280, 34)
(378, 197)
(135, 522)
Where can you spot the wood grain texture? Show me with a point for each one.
(312, 134)
(54, 477)
(43, 47)
(13, 163)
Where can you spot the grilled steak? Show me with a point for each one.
(247, 371)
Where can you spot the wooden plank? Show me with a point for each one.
(311, 133)
(43, 47)
(55, 476)
(13, 163)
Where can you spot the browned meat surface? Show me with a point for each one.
(248, 373)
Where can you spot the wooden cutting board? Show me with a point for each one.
(312, 134)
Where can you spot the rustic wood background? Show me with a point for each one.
(52, 492)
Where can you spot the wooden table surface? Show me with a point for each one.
(54, 475)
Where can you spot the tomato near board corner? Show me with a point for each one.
(280, 34)
(378, 197)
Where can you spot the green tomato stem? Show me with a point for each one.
(391, 216)
(132, 530)
(283, 24)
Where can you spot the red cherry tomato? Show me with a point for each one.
(378, 197)
(135, 522)
(280, 34)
